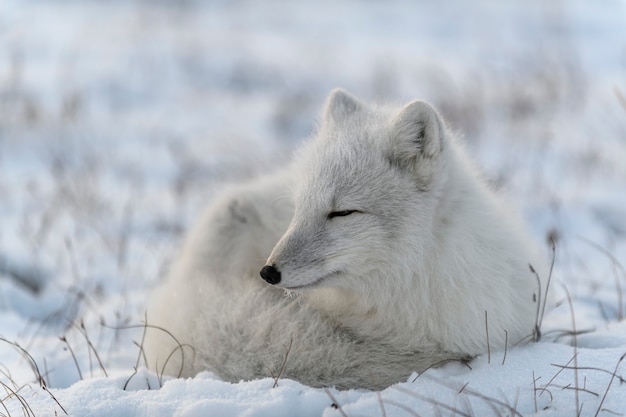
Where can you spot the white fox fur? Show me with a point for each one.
(392, 256)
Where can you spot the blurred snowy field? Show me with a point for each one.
(120, 120)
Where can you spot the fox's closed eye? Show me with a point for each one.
(341, 213)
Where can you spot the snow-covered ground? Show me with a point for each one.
(119, 120)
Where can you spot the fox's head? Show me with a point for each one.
(369, 187)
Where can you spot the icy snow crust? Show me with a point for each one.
(120, 120)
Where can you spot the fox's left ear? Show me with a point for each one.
(417, 138)
(340, 105)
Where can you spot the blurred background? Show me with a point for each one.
(119, 120)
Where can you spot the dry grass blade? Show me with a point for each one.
(403, 407)
(139, 355)
(560, 333)
(515, 403)
(83, 331)
(616, 265)
(591, 368)
(35, 368)
(548, 282)
(542, 299)
(583, 389)
(282, 366)
(575, 344)
(441, 362)
(13, 393)
(609, 385)
(380, 403)
(535, 391)
(463, 388)
(180, 346)
(536, 336)
(468, 403)
(562, 368)
(64, 340)
(489, 400)
(432, 401)
(335, 403)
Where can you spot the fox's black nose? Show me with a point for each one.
(270, 274)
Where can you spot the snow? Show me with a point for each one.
(120, 120)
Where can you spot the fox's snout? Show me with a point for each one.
(270, 274)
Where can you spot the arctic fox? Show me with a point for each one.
(382, 252)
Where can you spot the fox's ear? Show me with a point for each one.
(339, 105)
(417, 137)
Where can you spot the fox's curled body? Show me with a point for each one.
(394, 247)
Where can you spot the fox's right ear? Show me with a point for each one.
(340, 104)
(417, 139)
